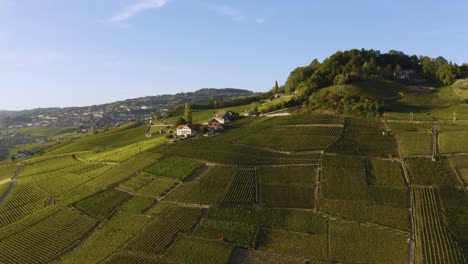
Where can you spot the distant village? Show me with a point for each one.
(86, 117)
(112, 114)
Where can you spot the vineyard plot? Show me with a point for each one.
(193, 250)
(287, 187)
(293, 138)
(293, 244)
(161, 234)
(116, 232)
(208, 188)
(129, 258)
(434, 242)
(101, 204)
(241, 189)
(45, 239)
(24, 199)
(237, 155)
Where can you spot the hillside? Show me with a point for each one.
(308, 187)
(368, 170)
(31, 129)
(112, 112)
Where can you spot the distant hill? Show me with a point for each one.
(119, 111)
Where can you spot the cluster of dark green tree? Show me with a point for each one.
(187, 118)
(342, 102)
(355, 65)
(464, 70)
(215, 103)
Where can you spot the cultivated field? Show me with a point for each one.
(304, 188)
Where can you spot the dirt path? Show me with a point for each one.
(313, 125)
(409, 198)
(205, 206)
(135, 194)
(457, 173)
(12, 185)
(317, 184)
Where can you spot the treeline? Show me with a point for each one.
(464, 70)
(342, 102)
(215, 103)
(345, 67)
(356, 65)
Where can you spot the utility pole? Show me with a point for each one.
(411, 117)
(454, 117)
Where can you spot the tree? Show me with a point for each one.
(188, 113)
(341, 79)
(446, 74)
(275, 88)
(180, 121)
(254, 107)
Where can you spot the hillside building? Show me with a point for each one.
(187, 130)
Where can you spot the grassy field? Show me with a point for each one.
(3, 188)
(7, 171)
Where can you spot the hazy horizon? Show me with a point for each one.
(118, 100)
(93, 52)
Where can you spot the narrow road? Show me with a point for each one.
(12, 184)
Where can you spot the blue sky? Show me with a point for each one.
(74, 53)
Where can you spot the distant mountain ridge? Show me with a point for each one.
(197, 96)
(119, 111)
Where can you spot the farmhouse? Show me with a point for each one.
(214, 126)
(226, 117)
(24, 154)
(187, 130)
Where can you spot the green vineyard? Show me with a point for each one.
(45, 239)
(434, 243)
(158, 236)
(303, 188)
(241, 189)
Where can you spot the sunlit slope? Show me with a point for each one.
(308, 187)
